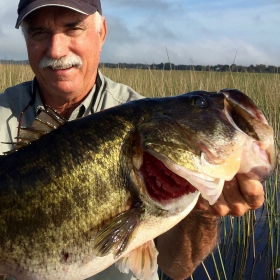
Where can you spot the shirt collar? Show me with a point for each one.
(82, 110)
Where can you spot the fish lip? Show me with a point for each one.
(236, 100)
(175, 205)
(243, 101)
(267, 158)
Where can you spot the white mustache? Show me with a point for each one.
(61, 63)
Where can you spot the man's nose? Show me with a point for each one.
(58, 46)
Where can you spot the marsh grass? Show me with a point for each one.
(11, 75)
(245, 241)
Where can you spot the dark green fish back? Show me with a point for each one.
(57, 191)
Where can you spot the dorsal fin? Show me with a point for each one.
(46, 121)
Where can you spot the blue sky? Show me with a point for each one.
(191, 32)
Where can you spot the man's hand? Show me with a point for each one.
(183, 247)
(239, 195)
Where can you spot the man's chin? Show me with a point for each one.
(61, 87)
(61, 78)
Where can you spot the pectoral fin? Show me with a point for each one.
(116, 235)
(141, 261)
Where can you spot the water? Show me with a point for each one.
(246, 253)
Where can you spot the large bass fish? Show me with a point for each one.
(98, 190)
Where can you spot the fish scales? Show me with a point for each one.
(60, 214)
(40, 175)
(72, 189)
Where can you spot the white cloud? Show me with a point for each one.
(204, 52)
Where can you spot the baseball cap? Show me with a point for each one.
(87, 7)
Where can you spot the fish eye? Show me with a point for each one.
(198, 101)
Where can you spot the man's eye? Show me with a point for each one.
(40, 34)
(74, 31)
(76, 28)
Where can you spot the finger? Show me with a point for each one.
(203, 204)
(220, 208)
(239, 195)
(252, 191)
(230, 201)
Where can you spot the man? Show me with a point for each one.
(64, 39)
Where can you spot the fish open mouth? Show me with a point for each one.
(167, 183)
(178, 159)
(161, 183)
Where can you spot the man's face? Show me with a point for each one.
(55, 32)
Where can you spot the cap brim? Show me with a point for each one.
(85, 8)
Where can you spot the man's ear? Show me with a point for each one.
(103, 32)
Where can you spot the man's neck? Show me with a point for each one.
(63, 106)
(65, 102)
